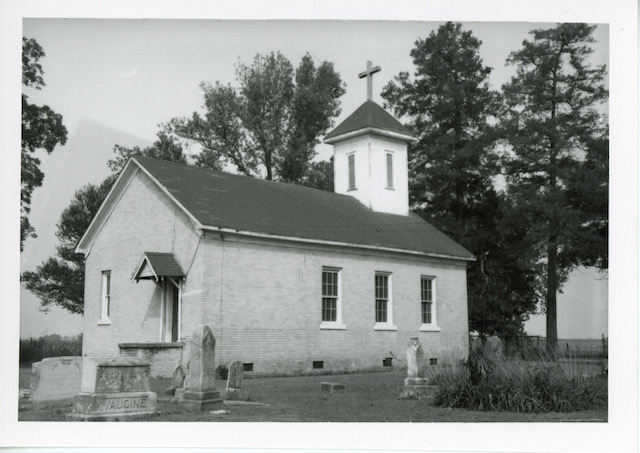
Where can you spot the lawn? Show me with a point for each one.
(369, 397)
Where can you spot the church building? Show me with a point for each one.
(291, 280)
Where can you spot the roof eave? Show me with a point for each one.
(371, 130)
(334, 243)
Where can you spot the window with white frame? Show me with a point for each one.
(428, 303)
(331, 300)
(105, 305)
(383, 301)
(351, 158)
(389, 170)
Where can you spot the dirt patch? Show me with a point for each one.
(368, 397)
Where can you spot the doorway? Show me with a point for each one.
(170, 330)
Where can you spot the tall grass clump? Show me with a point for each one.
(494, 383)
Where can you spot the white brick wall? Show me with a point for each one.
(264, 307)
(261, 298)
(143, 220)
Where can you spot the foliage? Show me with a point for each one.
(271, 123)
(165, 147)
(222, 372)
(452, 169)
(557, 153)
(319, 175)
(42, 128)
(60, 279)
(496, 384)
(36, 349)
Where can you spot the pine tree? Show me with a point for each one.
(452, 167)
(555, 132)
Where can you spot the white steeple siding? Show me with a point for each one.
(370, 152)
(374, 144)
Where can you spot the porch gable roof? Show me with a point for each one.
(155, 265)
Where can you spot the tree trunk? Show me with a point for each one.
(552, 288)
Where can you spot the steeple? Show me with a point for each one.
(370, 156)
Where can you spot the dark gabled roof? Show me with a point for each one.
(369, 115)
(221, 200)
(155, 265)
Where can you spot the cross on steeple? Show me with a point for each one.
(369, 75)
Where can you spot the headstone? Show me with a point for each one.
(55, 378)
(114, 390)
(234, 380)
(177, 381)
(235, 391)
(415, 359)
(416, 385)
(492, 348)
(201, 393)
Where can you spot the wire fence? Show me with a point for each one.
(530, 347)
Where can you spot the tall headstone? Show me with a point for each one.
(201, 375)
(416, 385)
(114, 390)
(415, 360)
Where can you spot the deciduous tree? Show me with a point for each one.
(42, 128)
(60, 279)
(270, 124)
(319, 175)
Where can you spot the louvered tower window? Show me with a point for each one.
(352, 172)
(389, 171)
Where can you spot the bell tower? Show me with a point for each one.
(370, 156)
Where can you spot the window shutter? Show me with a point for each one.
(390, 170)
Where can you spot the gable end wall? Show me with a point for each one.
(143, 220)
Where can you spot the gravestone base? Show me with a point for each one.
(416, 392)
(112, 406)
(416, 381)
(332, 387)
(201, 401)
(236, 395)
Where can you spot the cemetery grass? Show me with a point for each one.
(369, 397)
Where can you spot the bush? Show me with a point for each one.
(36, 349)
(222, 372)
(497, 384)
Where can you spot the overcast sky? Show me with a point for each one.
(114, 81)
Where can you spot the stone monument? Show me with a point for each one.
(199, 392)
(234, 383)
(416, 385)
(55, 378)
(114, 390)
